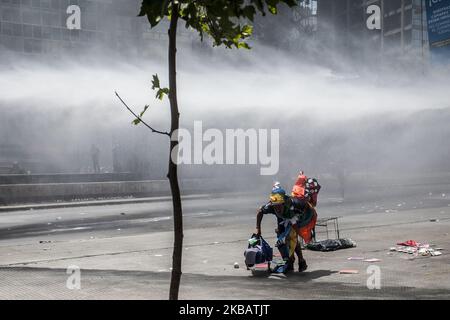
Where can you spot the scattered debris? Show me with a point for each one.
(417, 249)
(348, 271)
(118, 229)
(355, 258)
(409, 243)
(236, 265)
(45, 241)
(372, 260)
(423, 251)
(158, 255)
(434, 220)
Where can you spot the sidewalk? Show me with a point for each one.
(138, 267)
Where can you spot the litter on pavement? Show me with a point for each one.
(372, 260)
(348, 271)
(417, 249)
(409, 243)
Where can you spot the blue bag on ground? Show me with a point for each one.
(257, 253)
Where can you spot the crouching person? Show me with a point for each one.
(286, 211)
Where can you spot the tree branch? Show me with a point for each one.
(140, 119)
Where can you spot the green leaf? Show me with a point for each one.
(243, 45)
(155, 82)
(272, 9)
(220, 19)
(161, 92)
(143, 111)
(247, 30)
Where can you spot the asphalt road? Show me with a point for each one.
(206, 212)
(124, 251)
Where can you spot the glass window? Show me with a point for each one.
(11, 14)
(407, 36)
(17, 30)
(50, 19)
(89, 21)
(37, 31)
(12, 43)
(56, 33)
(55, 4)
(32, 46)
(31, 17)
(74, 34)
(7, 28)
(408, 17)
(27, 31)
(45, 4)
(46, 33)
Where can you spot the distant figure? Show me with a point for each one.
(116, 163)
(17, 169)
(95, 153)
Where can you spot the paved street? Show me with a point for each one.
(124, 251)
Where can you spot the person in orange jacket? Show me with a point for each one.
(306, 189)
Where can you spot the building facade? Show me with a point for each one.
(55, 27)
(350, 23)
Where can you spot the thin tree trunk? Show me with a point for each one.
(173, 175)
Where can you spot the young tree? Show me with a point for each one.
(229, 23)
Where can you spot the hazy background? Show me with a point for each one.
(335, 113)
